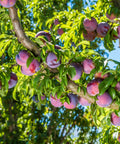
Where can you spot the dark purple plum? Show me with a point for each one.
(55, 101)
(52, 60)
(79, 69)
(89, 36)
(93, 87)
(60, 31)
(104, 100)
(56, 22)
(84, 102)
(102, 29)
(43, 33)
(13, 80)
(88, 66)
(115, 120)
(22, 57)
(73, 101)
(7, 3)
(117, 87)
(112, 16)
(90, 24)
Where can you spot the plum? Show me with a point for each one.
(55, 101)
(35, 99)
(22, 57)
(56, 22)
(52, 60)
(57, 47)
(117, 87)
(84, 102)
(43, 97)
(32, 69)
(99, 75)
(0, 84)
(93, 87)
(88, 66)
(7, 3)
(104, 100)
(89, 36)
(90, 24)
(102, 29)
(73, 101)
(13, 80)
(43, 33)
(115, 120)
(78, 67)
(118, 31)
(112, 16)
(60, 31)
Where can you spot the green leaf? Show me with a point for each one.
(112, 92)
(72, 71)
(29, 60)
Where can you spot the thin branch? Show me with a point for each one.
(25, 41)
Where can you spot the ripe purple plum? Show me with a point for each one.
(7, 3)
(13, 80)
(88, 66)
(115, 120)
(22, 57)
(52, 60)
(73, 101)
(99, 75)
(56, 22)
(93, 87)
(117, 87)
(104, 100)
(55, 101)
(79, 69)
(102, 29)
(112, 16)
(60, 31)
(89, 36)
(84, 102)
(90, 24)
(32, 69)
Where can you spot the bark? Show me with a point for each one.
(33, 47)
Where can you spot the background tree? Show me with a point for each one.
(24, 121)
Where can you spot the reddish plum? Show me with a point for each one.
(52, 60)
(99, 75)
(93, 87)
(73, 101)
(89, 36)
(78, 67)
(88, 66)
(84, 102)
(102, 29)
(115, 120)
(43, 33)
(13, 80)
(55, 101)
(117, 87)
(104, 100)
(90, 24)
(22, 57)
(7, 3)
(60, 31)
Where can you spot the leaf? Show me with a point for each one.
(29, 60)
(72, 71)
(112, 92)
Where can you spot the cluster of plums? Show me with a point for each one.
(12, 82)
(93, 29)
(7, 3)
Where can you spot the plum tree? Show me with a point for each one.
(100, 75)
(55, 101)
(84, 102)
(90, 24)
(102, 29)
(79, 69)
(88, 66)
(93, 87)
(117, 87)
(115, 120)
(89, 36)
(32, 69)
(52, 60)
(104, 100)
(73, 101)
(7, 3)
(22, 57)
(13, 80)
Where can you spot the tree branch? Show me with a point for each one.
(25, 41)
